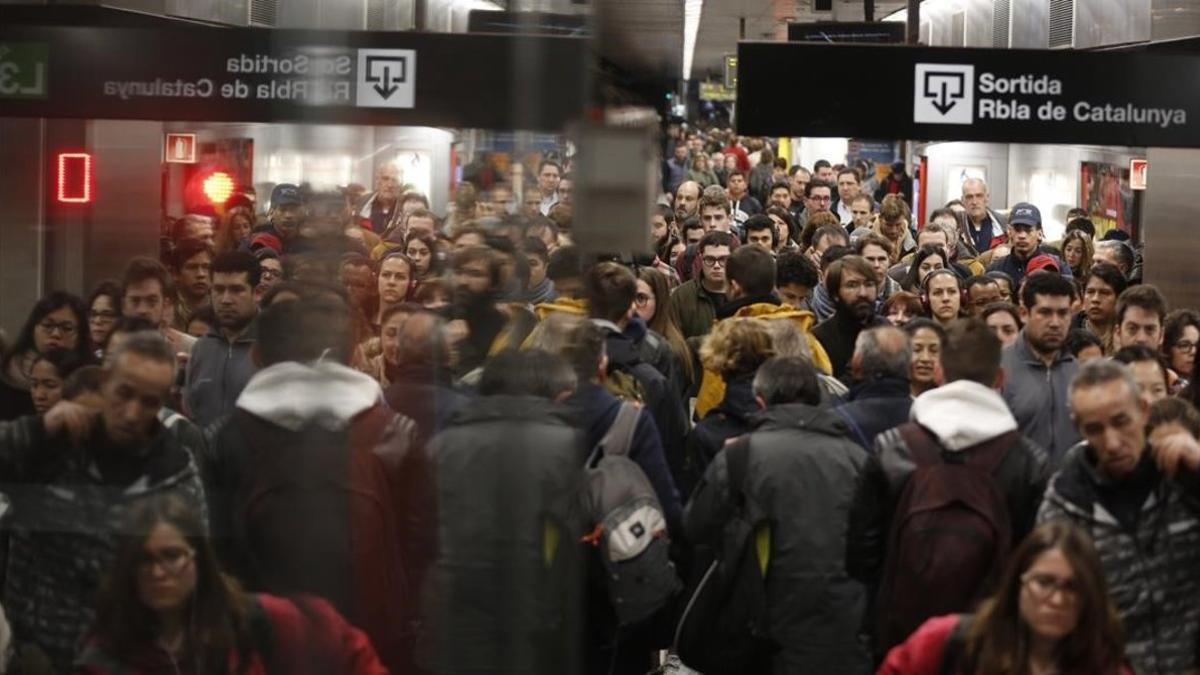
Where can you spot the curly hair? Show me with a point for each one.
(737, 346)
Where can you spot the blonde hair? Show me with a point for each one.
(737, 346)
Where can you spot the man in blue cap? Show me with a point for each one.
(284, 214)
(1025, 239)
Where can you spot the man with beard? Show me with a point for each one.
(853, 285)
(221, 363)
(1038, 367)
(687, 200)
(481, 324)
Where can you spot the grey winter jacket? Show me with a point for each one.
(801, 476)
(69, 504)
(1039, 397)
(217, 372)
(1151, 570)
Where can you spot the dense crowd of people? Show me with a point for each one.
(800, 434)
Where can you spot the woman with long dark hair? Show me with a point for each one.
(653, 304)
(57, 321)
(928, 258)
(1051, 613)
(167, 608)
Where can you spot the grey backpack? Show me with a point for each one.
(630, 533)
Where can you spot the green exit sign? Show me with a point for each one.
(23, 70)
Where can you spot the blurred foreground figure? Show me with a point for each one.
(309, 477)
(504, 591)
(72, 475)
(167, 608)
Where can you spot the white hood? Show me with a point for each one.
(962, 414)
(292, 394)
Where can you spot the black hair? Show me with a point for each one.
(835, 253)
(761, 222)
(795, 268)
(1111, 276)
(51, 302)
(1080, 339)
(911, 279)
(1052, 285)
(566, 262)
(233, 262)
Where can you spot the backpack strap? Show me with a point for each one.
(737, 461)
(618, 439)
(955, 649)
(922, 444)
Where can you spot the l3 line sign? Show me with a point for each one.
(246, 74)
(1007, 95)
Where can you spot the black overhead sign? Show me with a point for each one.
(259, 75)
(1004, 95)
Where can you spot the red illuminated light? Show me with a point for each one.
(218, 187)
(74, 178)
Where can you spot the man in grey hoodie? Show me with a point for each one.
(961, 419)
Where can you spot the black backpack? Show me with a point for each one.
(950, 537)
(723, 629)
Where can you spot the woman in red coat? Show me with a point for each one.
(167, 609)
(1051, 614)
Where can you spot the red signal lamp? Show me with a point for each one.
(75, 176)
(218, 187)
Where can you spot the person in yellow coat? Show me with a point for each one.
(751, 276)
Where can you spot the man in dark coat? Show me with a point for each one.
(881, 396)
(801, 475)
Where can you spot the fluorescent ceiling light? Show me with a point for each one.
(691, 27)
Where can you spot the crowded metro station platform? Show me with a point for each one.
(326, 349)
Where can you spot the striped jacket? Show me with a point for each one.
(1151, 570)
(68, 506)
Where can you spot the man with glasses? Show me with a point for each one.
(986, 228)
(818, 198)
(697, 300)
(1134, 493)
(73, 474)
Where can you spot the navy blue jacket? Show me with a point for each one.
(874, 406)
(731, 418)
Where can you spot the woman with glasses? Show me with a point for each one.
(167, 608)
(104, 308)
(653, 304)
(1051, 614)
(57, 321)
(1181, 334)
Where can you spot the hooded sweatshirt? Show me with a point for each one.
(962, 414)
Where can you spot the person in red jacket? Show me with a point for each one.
(1051, 613)
(167, 608)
